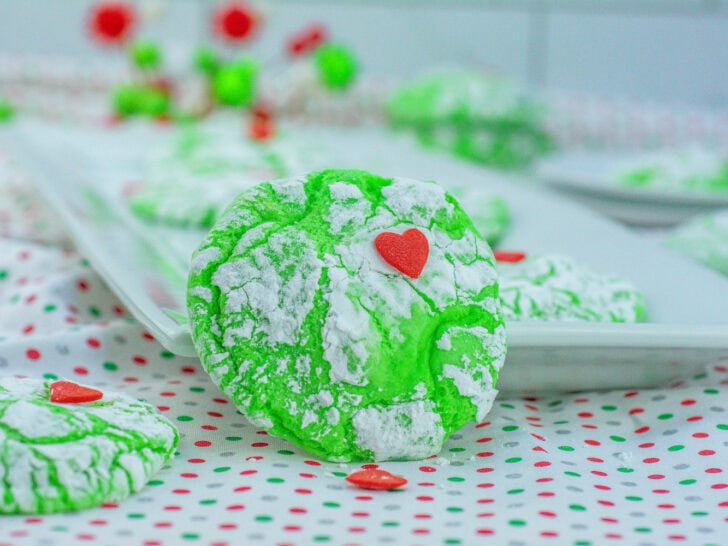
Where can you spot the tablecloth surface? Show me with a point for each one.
(641, 467)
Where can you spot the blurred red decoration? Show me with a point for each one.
(111, 23)
(261, 126)
(307, 40)
(509, 256)
(234, 22)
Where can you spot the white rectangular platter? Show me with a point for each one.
(82, 173)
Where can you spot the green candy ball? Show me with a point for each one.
(6, 111)
(146, 55)
(206, 61)
(234, 84)
(154, 103)
(126, 100)
(336, 66)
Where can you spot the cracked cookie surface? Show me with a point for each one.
(63, 457)
(317, 339)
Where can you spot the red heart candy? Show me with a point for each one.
(374, 478)
(407, 253)
(509, 256)
(67, 392)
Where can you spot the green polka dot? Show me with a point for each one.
(285, 452)
(698, 514)
(574, 474)
(577, 507)
(94, 311)
(642, 530)
(197, 389)
(15, 298)
(510, 428)
(233, 438)
(166, 354)
(566, 448)
(554, 403)
(321, 538)
(221, 469)
(687, 482)
(340, 474)
(711, 391)
(665, 416)
(582, 543)
(561, 422)
(722, 427)
(454, 509)
(155, 482)
(275, 480)
(3, 274)
(452, 541)
(514, 460)
(515, 491)
(331, 504)
(701, 375)
(190, 536)
(135, 515)
(50, 376)
(507, 406)
(207, 502)
(676, 447)
(625, 469)
(456, 449)
(609, 408)
(110, 366)
(390, 524)
(634, 498)
(617, 438)
(517, 522)
(59, 528)
(185, 418)
(49, 308)
(455, 479)
(263, 518)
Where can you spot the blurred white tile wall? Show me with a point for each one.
(664, 50)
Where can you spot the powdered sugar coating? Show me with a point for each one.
(556, 288)
(63, 457)
(324, 338)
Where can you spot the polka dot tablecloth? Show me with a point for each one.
(637, 467)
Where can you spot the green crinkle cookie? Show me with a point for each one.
(705, 240)
(475, 115)
(302, 323)
(555, 288)
(191, 178)
(692, 169)
(65, 457)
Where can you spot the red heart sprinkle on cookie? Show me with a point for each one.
(407, 253)
(374, 478)
(509, 256)
(67, 392)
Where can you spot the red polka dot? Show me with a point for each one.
(208, 427)
(28, 329)
(168, 393)
(235, 507)
(242, 489)
(713, 470)
(93, 343)
(421, 531)
(203, 443)
(694, 418)
(32, 354)
(303, 491)
(216, 414)
(297, 510)
(642, 430)
(248, 472)
(485, 454)
(425, 498)
(259, 444)
(80, 370)
(592, 442)
(139, 360)
(312, 463)
(188, 475)
(651, 460)
(656, 477)
(485, 532)
(196, 461)
(595, 459)
(306, 475)
(700, 435)
(360, 514)
(599, 473)
(485, 469)
(187, 370)
(687, 402)
(646, 445)
(630, 394)
(427, 469)
(635, 411)
(148, 336)
(181, 491)
(547, 514)
(706, 452)
(541, 464)
(585, 414)
(172, 508)
(163, 524)
(549, 534)
(370, 466)
(719, 486)
(82, 285)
